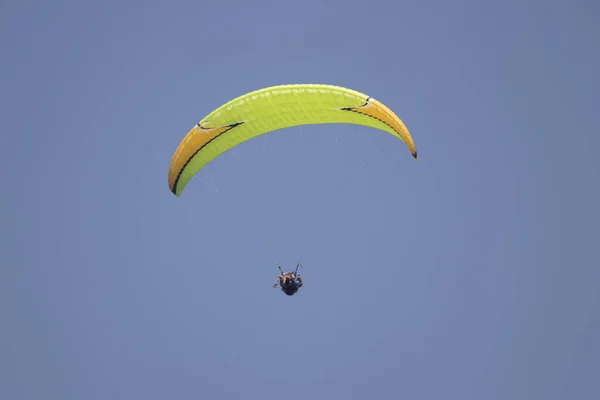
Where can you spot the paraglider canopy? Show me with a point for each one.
(274, 108)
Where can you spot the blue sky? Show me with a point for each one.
(471, 273)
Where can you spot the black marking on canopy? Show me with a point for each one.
(229, 128)
(353, 109)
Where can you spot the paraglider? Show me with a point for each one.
(273, 108)
(290, 282)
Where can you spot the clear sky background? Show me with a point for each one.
(471, 273)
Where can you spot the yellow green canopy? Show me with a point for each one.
(273, 108)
